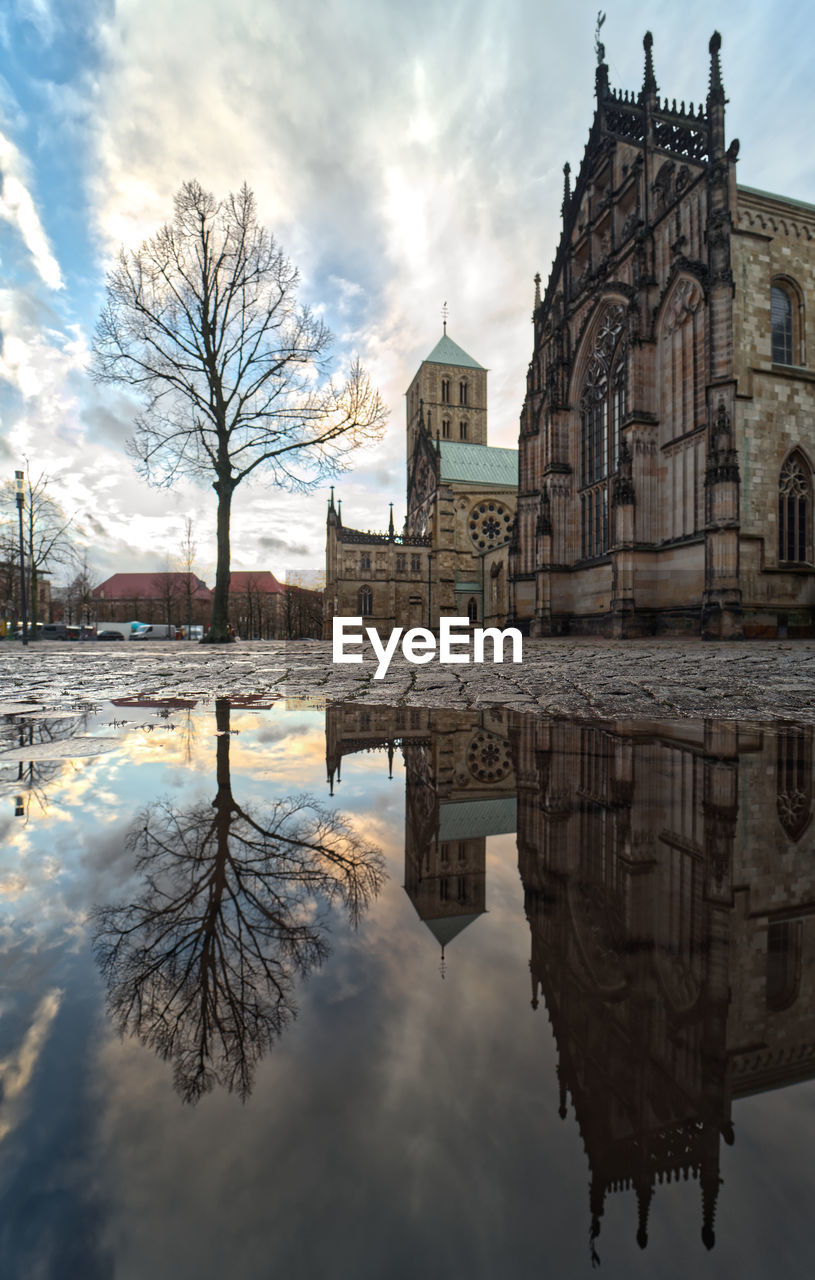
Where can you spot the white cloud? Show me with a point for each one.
(17, 1069)
(17, 207)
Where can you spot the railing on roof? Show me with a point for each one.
(377, 539)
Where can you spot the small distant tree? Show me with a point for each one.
(203, 322)
(47, 537)
(170, 592)
(78, 595)
(186, 561)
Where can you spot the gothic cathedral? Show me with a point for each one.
(668, 432)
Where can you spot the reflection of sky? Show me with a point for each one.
(402, 1126)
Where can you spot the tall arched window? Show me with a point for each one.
(602, 408)
(795, 511)
(781, 324)
(793, 787)
(783, 963)
(365, 602)
(445, 390)
(462, 393)
(472, 609)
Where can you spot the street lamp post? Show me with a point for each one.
(19, 478)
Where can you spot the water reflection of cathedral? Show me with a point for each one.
(668, 875)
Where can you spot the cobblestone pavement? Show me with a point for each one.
(585, 679)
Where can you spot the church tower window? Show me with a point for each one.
(365, 561)
(602, 408)
(445, 390)
(365, 602)
(462, 393)
(462, 431)
(472, 609)
(794, 511)
(445, 428)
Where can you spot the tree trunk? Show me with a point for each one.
(219, 626)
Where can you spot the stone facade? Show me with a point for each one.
(668, 434)
(450, 559)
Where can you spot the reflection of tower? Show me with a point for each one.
(460, 788)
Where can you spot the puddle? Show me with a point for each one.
(403, 992)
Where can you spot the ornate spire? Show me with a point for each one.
(601, 74)
(421, 413)
(390, 524)
(716, 90)
(331, 500)
(339, 511)
(645, 1191)
(649, 83)
(567, 191)
(537, 289)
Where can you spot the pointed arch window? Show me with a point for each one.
(602, 410)
(472, 609)
(793, 788)
(365, 602)
(795, 511)
(783, 964)
(781, 324)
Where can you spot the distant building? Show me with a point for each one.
(667, 446)
(260, 607)
(450, 558)
(153, 597)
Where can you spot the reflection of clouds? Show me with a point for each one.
(17, 1069)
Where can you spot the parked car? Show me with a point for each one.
(110, 635)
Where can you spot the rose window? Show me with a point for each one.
(489, 524)
(488, 757)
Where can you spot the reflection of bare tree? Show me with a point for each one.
(202, 966)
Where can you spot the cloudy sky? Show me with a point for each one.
(404, 155)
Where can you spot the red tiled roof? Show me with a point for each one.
(149, 586)
(243, 580)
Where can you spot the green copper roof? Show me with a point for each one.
(466, 819)
(478, 463)
(448, 352)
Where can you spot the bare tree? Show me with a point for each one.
(187, 560)
(203, 322)
(78, 595)
(170, 592)
(46, 533)
(202, 965)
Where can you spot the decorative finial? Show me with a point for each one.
(390, 523)
(649, 83)
(567, 191)
(444, 314)
(442, 966)
(339, 510)
(599, 48)
(716, 92)
(537, 288)
(421, 412)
